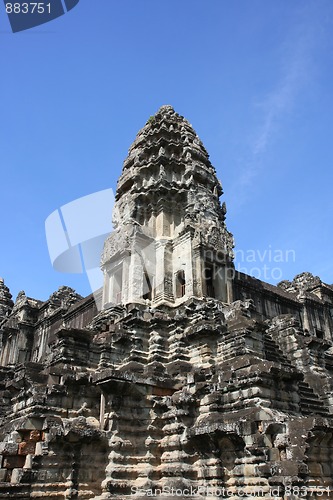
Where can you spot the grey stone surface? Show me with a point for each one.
(192, 381)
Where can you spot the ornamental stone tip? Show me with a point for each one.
(166, 107)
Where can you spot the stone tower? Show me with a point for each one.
(170, 240)
(6, 303)
(194, 381)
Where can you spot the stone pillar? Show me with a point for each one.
(306, 322)
(135, 277)
(230, 273)
(183, 261)
(106, 288)
(162, 223)
(198, 286)
(13, 350)
(164, 272)
(328, 322)
(126, 280)
(102, 411)
(168, 272)
(5, 352)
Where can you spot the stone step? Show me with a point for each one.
(310, 402)
(17, 491)
(274, 353)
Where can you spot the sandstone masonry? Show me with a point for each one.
(193, 381)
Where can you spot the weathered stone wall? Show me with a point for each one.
(220, 389)
(209, 395)
(311, 305)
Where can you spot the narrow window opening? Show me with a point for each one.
(147, 287)
(180, 284)
(117, 285)
(209, 282)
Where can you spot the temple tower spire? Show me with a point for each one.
(170, 240)
(6, 303)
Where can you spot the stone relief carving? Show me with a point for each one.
(303, 282)
(207, 391)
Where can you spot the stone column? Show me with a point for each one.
(162, 222)
(102, 411)
(135, 277)
(306, 322)
(230, 273)
(198, 286)
(164, 275)
(126, 280)
(106, 288)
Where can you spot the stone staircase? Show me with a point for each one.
(309, 401)
(274, 353)
(17, 491)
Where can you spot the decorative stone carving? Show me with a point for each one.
(6, 303)
(118, 241)
(66, 296)
(228, 394)
(302, 282)
(179, 194)
(21, 298)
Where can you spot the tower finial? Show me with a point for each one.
(167, 207)
(6, 303)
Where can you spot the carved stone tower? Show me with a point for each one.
(170, 240)
(195, 380)
(6, 303)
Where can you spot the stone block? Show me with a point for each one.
(41, 476)
(26, 448)
(315, 470)
(15, 437)
(39, 448)
(35, 436)
(28, 462)
(13, 462)
(274, 454)
(3, 475)
(57, 475)
(8, 448)
(16, 476)
(34, 423)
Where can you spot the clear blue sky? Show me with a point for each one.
(253, 77)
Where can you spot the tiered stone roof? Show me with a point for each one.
(6, 303)
(168, 144)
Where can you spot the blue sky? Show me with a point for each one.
(253, 77)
